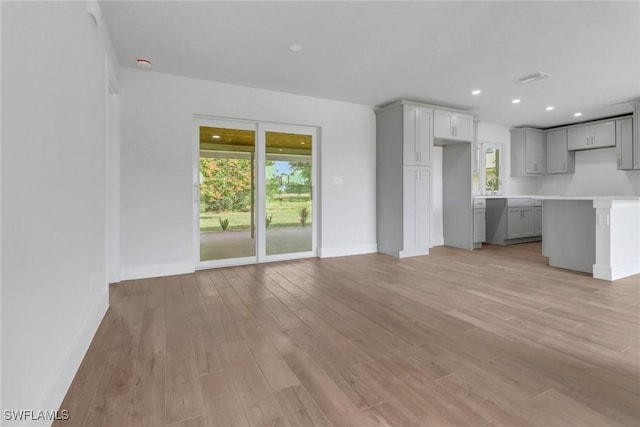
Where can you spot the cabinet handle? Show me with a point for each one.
(420, 156)
(535, 167)
(619, 161)
(564, 166)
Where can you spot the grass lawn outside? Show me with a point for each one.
(284, 214)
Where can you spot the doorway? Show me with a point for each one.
(254, 192)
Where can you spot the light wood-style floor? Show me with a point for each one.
(458, 338)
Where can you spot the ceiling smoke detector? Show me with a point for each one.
(534, 77)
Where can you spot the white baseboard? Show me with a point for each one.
(413, 252)
(437, 241)
(347, 251)
(57, 390)
(158, 270)
(605, 272)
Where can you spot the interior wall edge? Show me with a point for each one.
(57, 389)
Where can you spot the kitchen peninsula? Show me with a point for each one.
(597, 235)
(593, 234)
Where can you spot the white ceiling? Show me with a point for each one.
(376, 52)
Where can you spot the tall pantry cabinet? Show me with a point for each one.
(404, 179)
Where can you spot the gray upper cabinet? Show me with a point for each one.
(417, 135)
(589, 136)
(528, 152)
(559, 158)
(452, 126)
(625, 144)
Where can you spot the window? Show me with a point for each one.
(487, 173)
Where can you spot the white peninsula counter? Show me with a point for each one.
(597, 235)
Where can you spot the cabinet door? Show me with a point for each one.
(624, 143)
(417, 207)
(534, 152)
(537, 221)
(417, 139)
(442, 124)
(520, 222)
(603, 135)
(514, 223)
(410, 135)
(578, 138)
(424, 142)
(479, 226)
(559, 160)
(462, 127)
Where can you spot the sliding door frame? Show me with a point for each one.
(260, 128)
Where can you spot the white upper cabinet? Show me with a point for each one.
(417, 135)
(528, 152)
(453, 126)
(596, 135)
(559, 158)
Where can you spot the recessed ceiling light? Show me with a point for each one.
(302, 142)
(515, 101)
(296, 47)
(549, 108)
(476, 92)
(577, 114)
(215, 136)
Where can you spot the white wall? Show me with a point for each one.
(156, 181)
(54, 288)
(596, 174)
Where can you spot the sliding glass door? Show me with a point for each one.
(253, 192)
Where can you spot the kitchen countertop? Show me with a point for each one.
(542, 197)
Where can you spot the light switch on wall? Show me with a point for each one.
(337, 180)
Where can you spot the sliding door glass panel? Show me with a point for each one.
(288, 182)
(227, 193)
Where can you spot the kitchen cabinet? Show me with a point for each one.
(513, 220)
(625, 146)
(590, 136)
(417, 135)
(559, 158)
(537, 218)
(416, 222)
(404, 180)
(520, 222)
(479, 222)
(452, 126)
(528, 152)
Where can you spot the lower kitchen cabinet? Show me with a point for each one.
(479, 222)
(519, 222)
(537, 219)
(513, 220)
